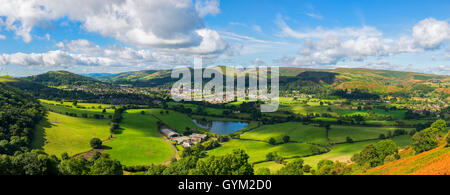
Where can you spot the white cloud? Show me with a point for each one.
(431, 33)
(207, 7)
(2, 37)
(160, 24)
(328, 47)
(85, 53)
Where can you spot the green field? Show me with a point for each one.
(296, 131)
(258, 150)
(341, 152)
(339, 133)
(175, 120)
(139, 141)
(60, 133)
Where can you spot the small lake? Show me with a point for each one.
(221, 127)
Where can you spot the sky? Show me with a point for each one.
(113, 36)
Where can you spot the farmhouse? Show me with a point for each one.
(192, 140)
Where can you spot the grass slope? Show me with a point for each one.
(433, 162)
(60, 133)
(139, 142)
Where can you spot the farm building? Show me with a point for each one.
(192, 140)
(169, 133)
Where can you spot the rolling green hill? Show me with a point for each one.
(65, 79)
(318, 80)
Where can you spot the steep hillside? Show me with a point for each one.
(433, 162)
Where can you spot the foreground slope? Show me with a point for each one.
(433, 162)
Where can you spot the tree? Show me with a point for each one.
(424, 140)
(271, 156)
(272, 141)
(286, 139)
(386, 148)
(368, 157)
(74, 166)
(106, 166)
(382, 136)
(64, 156)
(104, 111)
(292, 168)
(349, 140)
(230, 164)
(439, 125)
(96, 143)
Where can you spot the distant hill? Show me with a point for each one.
(317, 80)
(65, 79)
(98, 75)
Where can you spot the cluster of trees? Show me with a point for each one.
(19, 113)
(356, 94)
(378, 154)
(297, 167)
(37, 162)
(230, 164)
(427, 139)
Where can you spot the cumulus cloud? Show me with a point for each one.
(2, 37)
(85, 53)
(160, 24)
(431, 33)
(327, 47)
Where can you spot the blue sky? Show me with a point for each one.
(128, 35)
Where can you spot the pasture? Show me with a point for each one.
(257, 150)
(296, 131)
(175, 120)
(138, 142)
(59, 133)
(340, 152)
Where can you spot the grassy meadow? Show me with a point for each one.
(257, 150)
(60, 133)
(175, 120)
(139, 141)
(296, 131)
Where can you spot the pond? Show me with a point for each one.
(221, 127)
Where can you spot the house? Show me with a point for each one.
(188, 143)
(198, 138)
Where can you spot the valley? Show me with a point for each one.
(324, 116)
